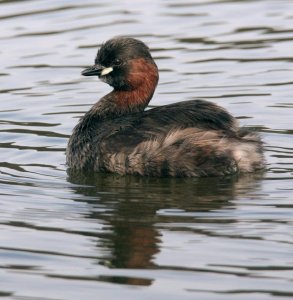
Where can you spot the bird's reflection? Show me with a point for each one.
(131, 206)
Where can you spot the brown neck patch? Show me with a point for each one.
(142, 80)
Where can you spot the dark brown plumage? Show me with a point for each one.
(184, 139)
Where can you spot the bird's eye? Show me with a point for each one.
(117, 62)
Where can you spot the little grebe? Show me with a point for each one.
(186, 139)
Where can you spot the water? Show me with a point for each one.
(66, 236)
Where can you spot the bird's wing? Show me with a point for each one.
(193, 113)
(126, 132)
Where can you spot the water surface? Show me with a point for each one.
(85, 236)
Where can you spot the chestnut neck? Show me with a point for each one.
(141, 82)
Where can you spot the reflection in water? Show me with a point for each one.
(222, 239)
(135, 201)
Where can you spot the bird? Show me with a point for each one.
(189, 138)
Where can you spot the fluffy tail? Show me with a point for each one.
(248, 151)
(191, 152)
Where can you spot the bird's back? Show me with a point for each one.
(188, 139)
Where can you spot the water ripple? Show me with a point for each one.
(74, 235)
